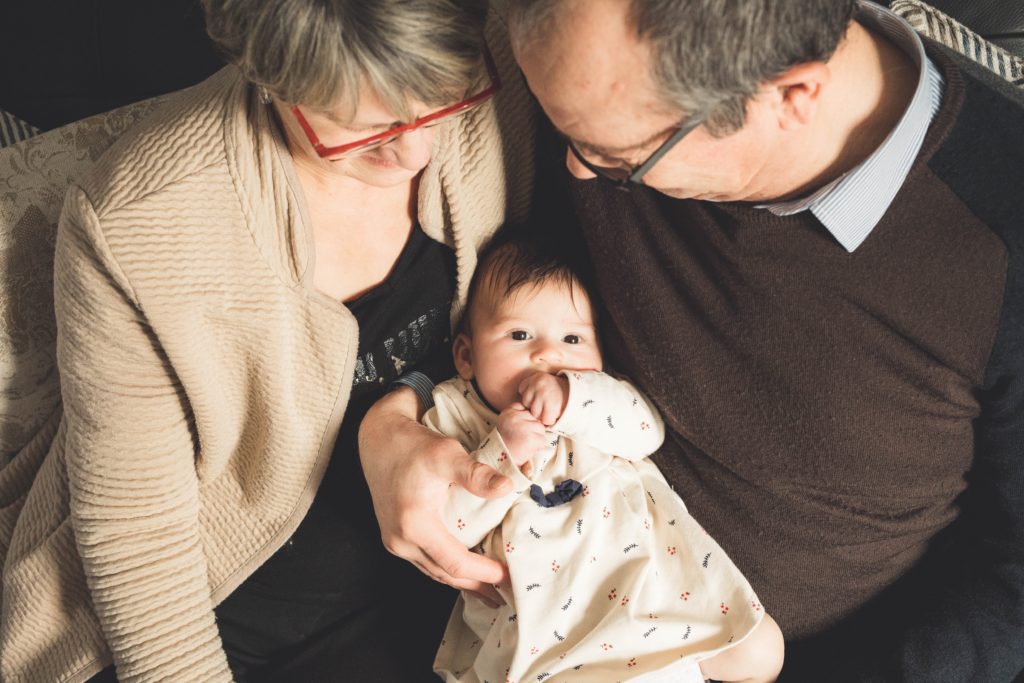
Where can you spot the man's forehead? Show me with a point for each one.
(592, 77)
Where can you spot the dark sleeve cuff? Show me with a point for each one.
(421, 384)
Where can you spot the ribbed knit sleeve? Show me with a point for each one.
(130, 453)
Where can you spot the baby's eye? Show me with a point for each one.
(520, 335)
(571, 339)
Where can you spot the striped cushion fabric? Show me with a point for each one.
(13, 129)
(943, 28)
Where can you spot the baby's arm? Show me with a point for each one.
(610, 415)
(755, 659)
(470, 518)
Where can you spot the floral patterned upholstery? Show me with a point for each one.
(34, 175)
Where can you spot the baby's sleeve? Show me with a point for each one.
(610, 415)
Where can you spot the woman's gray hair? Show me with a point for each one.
(319, 53)
(711, 56)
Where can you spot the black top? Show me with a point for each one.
(332, 603)
(848, 426)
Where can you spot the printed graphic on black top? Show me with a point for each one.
(388, 360)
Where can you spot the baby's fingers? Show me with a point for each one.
(550, 413)
(526, 397)
(537, 405)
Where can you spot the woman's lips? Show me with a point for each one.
(380, 163)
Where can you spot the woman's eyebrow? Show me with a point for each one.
(360, 125)
(334, 118)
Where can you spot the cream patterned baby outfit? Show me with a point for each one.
(611, 579)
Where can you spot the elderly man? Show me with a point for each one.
(817, 273)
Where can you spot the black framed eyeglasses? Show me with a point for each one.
(624, 178)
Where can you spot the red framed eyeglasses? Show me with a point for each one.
(438, 117)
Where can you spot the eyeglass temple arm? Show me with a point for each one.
(643, 168)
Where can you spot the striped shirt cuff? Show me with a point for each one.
(421, 384)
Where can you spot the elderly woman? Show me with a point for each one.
(237, 281)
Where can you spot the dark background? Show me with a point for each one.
(62, 60)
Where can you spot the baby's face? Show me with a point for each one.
(544, 329)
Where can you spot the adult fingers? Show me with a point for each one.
(460, 567)
(483, 591)
(478, 478)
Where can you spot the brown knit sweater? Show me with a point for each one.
(848, 426)
(203, 377)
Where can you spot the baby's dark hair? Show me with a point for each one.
(509, 265)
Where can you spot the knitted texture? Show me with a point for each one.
(858, 415)
(203, 377)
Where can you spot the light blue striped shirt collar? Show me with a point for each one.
(851, 205)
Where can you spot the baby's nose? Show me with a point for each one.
(546, 353)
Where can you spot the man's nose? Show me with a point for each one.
(576, 167)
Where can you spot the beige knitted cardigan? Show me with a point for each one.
(203, 379)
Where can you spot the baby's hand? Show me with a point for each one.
(545, 396)
(522, 433)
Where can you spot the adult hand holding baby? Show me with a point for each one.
(408, 469)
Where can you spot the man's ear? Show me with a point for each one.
(462, 353)
(799, 93)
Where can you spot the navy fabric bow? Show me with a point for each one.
(563, 493)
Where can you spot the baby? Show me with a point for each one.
(610, 577)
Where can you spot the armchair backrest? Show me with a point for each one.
(34, 177)
(999, 21)
(931, 22)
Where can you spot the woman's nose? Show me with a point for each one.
(414, 148)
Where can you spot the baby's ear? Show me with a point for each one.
(462, 353)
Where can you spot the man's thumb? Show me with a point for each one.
(482, 480)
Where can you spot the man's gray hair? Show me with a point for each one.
(711, 56)
(319, 53)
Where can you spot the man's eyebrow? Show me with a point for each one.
(615, 151)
